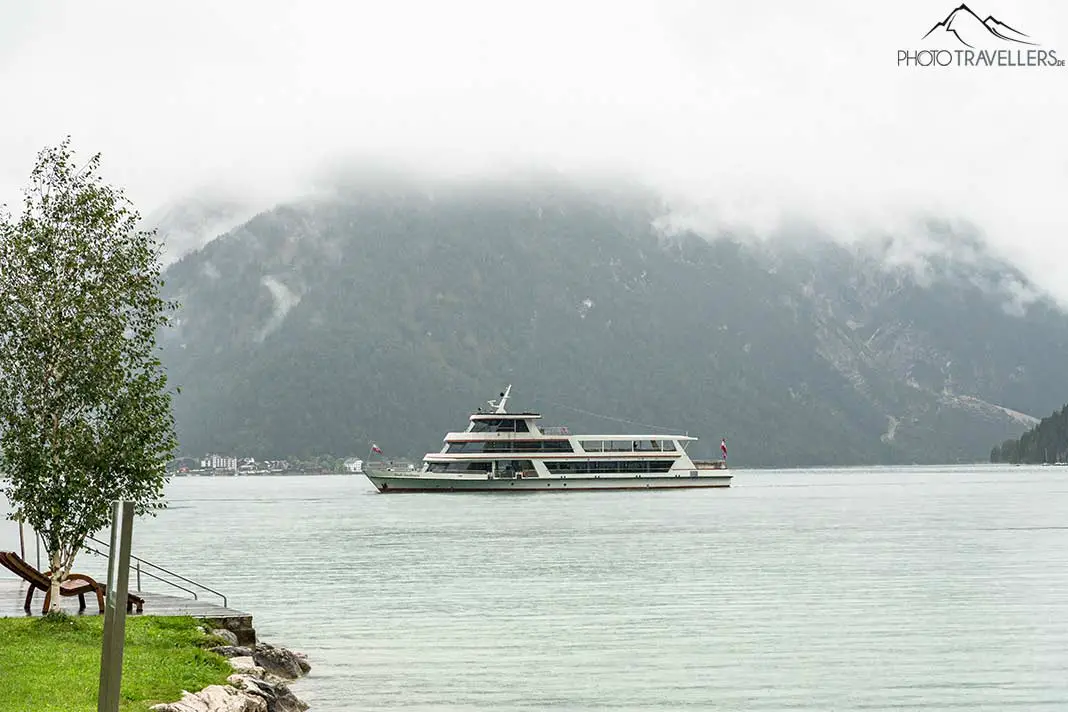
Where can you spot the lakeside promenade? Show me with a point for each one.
(13, 597)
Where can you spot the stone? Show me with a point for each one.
(188, 703)
(223, 698)
(247, 666)
(215, 698)
(278, 661)
(241, 626)
(238, 680)
(232, 651)
(228, 635)
(256, 685)
(276, 695)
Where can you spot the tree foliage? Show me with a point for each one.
(1046, 442)
(85, 413)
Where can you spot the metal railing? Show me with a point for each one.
(139, 570)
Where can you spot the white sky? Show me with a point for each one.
(748, 110)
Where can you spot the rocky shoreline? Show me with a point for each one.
(259, 683)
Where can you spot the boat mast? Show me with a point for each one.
(499, 405)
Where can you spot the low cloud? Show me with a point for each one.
(746, 118)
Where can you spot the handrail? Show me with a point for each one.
(91, 550)
(169, 572)
(160, 578)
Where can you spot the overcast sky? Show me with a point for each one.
(748, 110)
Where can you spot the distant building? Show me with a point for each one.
(218, 462)
(353, 464)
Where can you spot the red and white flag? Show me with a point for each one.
(723, 447)
(375, 448)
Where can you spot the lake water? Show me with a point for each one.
(886, 589)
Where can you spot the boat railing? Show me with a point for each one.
(555, 430)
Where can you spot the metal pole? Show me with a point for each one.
(115, 607)
(22, 541)
(38, 549)
(139, 576)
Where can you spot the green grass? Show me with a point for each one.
(52, 664)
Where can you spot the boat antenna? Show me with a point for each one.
(498, 406)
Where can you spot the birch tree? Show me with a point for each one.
(85, 412)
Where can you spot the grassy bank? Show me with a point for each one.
(52, 664)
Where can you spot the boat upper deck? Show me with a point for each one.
(500, 431)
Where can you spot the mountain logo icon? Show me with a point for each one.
(971, 31)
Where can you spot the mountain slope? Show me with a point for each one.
(389, 314)
(188, 224)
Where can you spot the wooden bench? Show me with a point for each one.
(75, 585)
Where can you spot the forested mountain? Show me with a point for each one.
(388, 311)
(1046, 442)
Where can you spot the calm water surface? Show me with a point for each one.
(889, 589)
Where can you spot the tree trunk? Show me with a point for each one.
(57, 578)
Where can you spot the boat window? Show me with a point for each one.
(511, 446)
(628, 445)
(510, 468)
(503, 425)
(528, 446)
(458, 467)
(608, 466)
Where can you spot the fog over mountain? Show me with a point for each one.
(191, 221)
(387, 308)
(754, 116)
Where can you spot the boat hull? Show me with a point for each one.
(387, 482)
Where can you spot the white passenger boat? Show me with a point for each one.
(502, 451)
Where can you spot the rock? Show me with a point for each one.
(247, 666)
(240, 626)
(188, 703)
(232, 651)
(216, 698)
(276, 695)
(223, 698)
(278, 661)
(257, 684)
(238, 680)
(228, 635)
